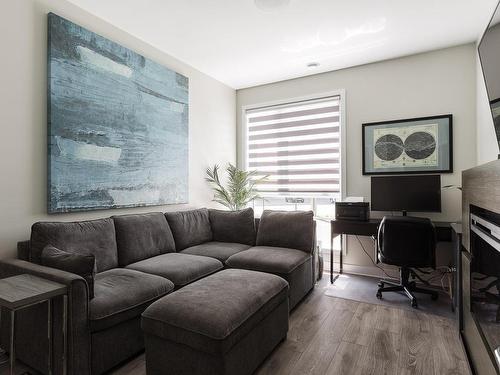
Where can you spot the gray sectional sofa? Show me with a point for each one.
(138, 260)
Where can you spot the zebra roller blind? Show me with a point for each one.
(297, 145)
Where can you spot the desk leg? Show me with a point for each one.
(12, 341)
(332, 236)
(331, 258)
(341, 261)
(65, 340)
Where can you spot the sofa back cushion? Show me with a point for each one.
(233, 226)
(95, 237)
(79, 264)
(293, 229)
(190, 228)
(142, 236)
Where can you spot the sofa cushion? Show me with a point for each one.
(142, 236)
(181, 269)
(233, 226)
(217, 250)
(189, 228)
(80, 264)
(276, 260)
(290, 229)
(95, 237)
(214, 313)
(122, 294)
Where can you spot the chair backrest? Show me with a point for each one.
(407, 241)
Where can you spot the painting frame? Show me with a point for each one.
(438, 134)
(117, 123)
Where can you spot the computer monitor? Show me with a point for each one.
(406, 193)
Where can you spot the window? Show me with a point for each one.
(298, 146)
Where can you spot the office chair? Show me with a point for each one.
(407, 242)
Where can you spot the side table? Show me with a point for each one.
(22, 291)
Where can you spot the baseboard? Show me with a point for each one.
(372, 271)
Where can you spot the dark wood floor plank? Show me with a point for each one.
(416, 349)
(137, 366)
(389, 319)
(362, 325)
(282, 360)
(307, 319)
(447, 355)
(382, 353)
(318, 355)
(348, 360)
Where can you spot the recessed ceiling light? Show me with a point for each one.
(271, 5)
(313, 64)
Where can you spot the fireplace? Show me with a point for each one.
(485, 278)
(480, 267)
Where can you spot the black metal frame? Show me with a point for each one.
(450, 131)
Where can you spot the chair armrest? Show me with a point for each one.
(78, 310)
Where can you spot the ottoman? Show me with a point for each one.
(226, 323)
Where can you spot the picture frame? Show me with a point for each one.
(408, 146)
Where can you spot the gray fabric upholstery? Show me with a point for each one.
(181, 269)
(295, 266)
(243, 358)
(301, 282)
(116, 344)
(95, 326)
(189, 228)
(121, 294)
(233, 226)
(142, 236)
(29, 338)
(23, 250)
(81, 264)
(212, 314)
(84, 237)
(294, 229)
(217, 250)
(268, 259)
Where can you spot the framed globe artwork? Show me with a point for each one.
(417, 145)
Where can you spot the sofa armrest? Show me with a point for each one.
(78, 332)
(12, 267)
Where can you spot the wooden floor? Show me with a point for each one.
(336, 336)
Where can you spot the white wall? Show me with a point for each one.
(433, 83)
(23, 140)
(487, 146)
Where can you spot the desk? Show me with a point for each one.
(369, 228)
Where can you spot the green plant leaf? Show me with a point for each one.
(239, 189)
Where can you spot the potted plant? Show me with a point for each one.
(239, 189)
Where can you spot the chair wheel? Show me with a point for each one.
(434, 297)
(379, 294)
(414, 303)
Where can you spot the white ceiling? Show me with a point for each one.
(242, 45)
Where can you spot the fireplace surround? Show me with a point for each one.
(480, 329)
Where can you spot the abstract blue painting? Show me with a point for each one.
(117, 125)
